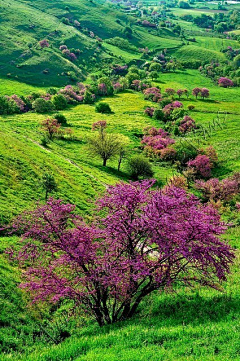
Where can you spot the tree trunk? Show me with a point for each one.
(104, 162)
(119, 163)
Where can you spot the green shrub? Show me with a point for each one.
(41, 105)
(103, 108)
(60, 118)
(7, 106)
(158, 114)
(60, 102)
(185, 152)
(139, 166)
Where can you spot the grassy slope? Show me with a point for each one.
(168, 326)
(27, 22)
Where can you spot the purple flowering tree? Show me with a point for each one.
(225, 82)
(44, 43)
(196, 92)
(180, 93)
(205, 93)
(144, 240)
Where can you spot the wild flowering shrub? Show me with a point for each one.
(100, 125)
(19, 103)
(202, 165)
(205, 93)
(170, 91)
(63, 47)
(171, 108)
(177, 181)
(153, 94)
(211, 153)
(225, 82)
(117, 87)
(186, 124)
(44, 43)
(155, 140)
(141, 240)
(102, 89)
(51, 127)
(180, 93)
(71, 95)
(216, 190)
(168, 154)
(149, 111)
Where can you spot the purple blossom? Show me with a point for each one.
(141, 240)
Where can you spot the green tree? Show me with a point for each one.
(105, 145)
(49, 184)
(155, 67)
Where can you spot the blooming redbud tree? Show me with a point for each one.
(44, 43)
(202, 165)
(205, 93)
(196, 92)
(145, 240)
(225, 82)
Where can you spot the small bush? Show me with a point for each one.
(191, 107)
(158, 114)
(60, 118)
(103, 108)
(60, 102)
(185, 152)
(139, 166)
(41, 105)
(44, 141)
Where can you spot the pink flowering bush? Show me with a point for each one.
(216, 190)
(170, 91)
(225, 82)
(142, 240)
(19, 103)
(155, 140)
(63, 47)
(153, 94)
(149, 111)
(171, 110)
(117, 87)
(168, 154)
(202, 165)
(205, 93)
(71, 95)
(187, 124)
(102, 89)
(44, 43)
(100, 125)
(180, 93)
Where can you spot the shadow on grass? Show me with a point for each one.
(111, 170)
(221, 171)
(192, 309)
(178, 310)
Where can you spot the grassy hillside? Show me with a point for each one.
(24, 23)
(183, 324)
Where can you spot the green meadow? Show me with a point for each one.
(187, 324)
